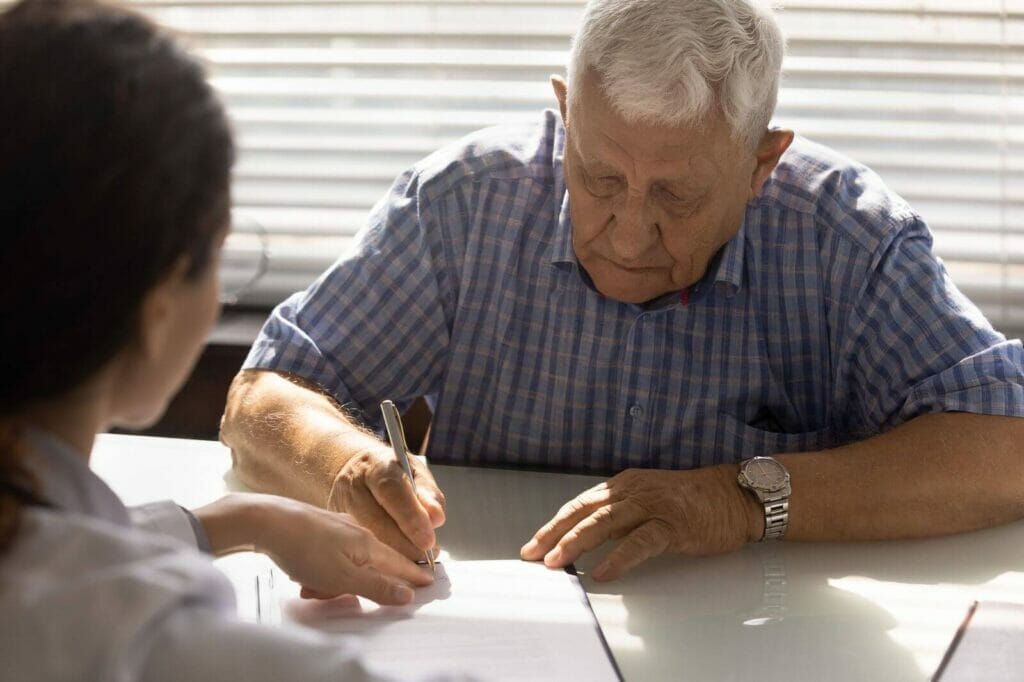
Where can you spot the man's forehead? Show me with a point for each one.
(679, 164)
(602, 135)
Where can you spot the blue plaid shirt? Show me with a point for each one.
(826, 319)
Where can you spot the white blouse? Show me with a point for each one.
(90, 591)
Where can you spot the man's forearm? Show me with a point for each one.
(937, 474)
(288, 438)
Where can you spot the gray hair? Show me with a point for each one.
(668, 62)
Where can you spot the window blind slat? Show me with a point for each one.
(929, 94)
(332, 99)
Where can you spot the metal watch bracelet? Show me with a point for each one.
(776, 519)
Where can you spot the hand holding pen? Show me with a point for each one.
(396, 434)
(372, 486)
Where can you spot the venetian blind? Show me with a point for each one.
(334, 98)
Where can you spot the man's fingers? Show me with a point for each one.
(610, 521)
(393, 492)
(430, 494)
(366, 510)
(390, 562)
(649, 540)
(434, 504)
(568, 516)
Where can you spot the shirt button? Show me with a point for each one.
(636, 412)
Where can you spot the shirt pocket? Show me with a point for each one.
(741, 441)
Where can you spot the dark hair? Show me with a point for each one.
(115, 159)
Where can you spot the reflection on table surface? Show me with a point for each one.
(849, 611)
(857, 611)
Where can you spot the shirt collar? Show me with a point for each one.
(727, 267)
(561, 244)
(66, 481)
(561, 251)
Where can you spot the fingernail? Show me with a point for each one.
(529, 547)
(554, 556)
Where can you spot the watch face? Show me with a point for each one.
(764, 473)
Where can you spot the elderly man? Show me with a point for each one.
(657, 284)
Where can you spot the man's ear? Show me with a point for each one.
(156, 316)
(769, 150)
(561, 89)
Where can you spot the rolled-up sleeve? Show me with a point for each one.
(378, 322)
(917, 345)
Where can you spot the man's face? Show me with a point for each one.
(650, 205)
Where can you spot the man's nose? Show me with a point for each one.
(635, 233)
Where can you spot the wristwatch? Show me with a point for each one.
(769, 481)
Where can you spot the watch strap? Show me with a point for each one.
(776, 506)
(776, 518)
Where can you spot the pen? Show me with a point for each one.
(396, 434)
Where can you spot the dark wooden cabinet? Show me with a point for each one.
(196, 411)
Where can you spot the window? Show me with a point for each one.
(928, 93)
(334, 98)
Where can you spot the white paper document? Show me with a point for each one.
(490, 620)
(988, 647)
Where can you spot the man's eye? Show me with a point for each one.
(671, 196)
(681, 204)
(602, 186)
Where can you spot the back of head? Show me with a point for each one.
(674, 62)
(115, 159)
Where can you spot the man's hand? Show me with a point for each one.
(696, 512)
(328, 553)
(372, 487)
(289, 437)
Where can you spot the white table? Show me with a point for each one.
(785, 611)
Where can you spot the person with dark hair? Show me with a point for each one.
(115, 160)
